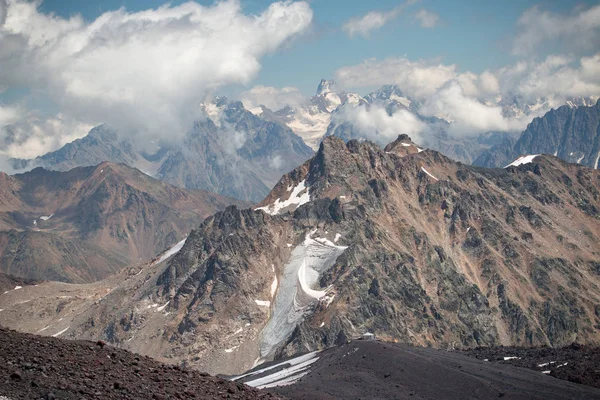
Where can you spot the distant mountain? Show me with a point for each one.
(87, 223)
(333, 113)
(568, 132)
(311, 120)
(401, 242)
(232, 152)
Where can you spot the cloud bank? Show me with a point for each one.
(272, 98)
(477, 103)
(144, 72)
(578, 31)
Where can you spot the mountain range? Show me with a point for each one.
(231, 152)
(571, 133)
(85, 224)
(402, 242)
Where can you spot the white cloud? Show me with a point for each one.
(580, 30)
(142, 72)
(420, 79)
(373, 20)
(3, 7)
(426, 18)
(272, 98)
(556, 78)
(376, 124)
(478, 103)
(26, 135)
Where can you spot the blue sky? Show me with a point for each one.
(473, 34)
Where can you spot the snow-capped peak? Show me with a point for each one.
(325, 87)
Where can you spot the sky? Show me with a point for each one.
(67, 65)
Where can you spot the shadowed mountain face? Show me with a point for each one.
(232, 152)
(84, 224)
(399, 241)
(570, 133)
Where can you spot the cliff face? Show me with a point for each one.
(570, 133)
(401, 242)
(87, 223)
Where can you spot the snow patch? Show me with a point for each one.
(294, 370)
(43, 329)
(546, 372)
(231, 349)
(596, 166)
(274, 286)
(402, 100)
(322, 324)
(580, 159)
(161, 308)
(522, 160)
(546, 364)
(406, 144)
(46, 218)
(511, 358)
(296, 294)
(300, 195)
(337, 237)
(427, 172)
(263, 303)
(61, 332)
(289, 245)
(172, 251)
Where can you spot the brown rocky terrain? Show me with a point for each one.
(406, 244)
(87, 223)
(34, 367)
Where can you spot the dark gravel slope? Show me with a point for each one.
(375, 370)
(575, 363)
(35, 367)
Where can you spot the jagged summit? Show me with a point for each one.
(325, 86)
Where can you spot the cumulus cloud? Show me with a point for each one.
(143, 72)
(26, 135)
(418, 78)
(581, 30)
(373, 20)
(478, 103)
(375, 123)
(426, 18)
(272, 98)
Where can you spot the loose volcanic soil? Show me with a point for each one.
(376, 370)
(575, 363)
(36, 367)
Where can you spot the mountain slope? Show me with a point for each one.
(376, 370)
(231, 152)
(400, 242)
(46, 368)
(86, 223)
(570, 133)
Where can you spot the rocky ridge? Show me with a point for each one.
(568, 132)
(87, 223)
(34, 367)
(404, 243)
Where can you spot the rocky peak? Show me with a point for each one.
(402, 146)
(325, 86)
